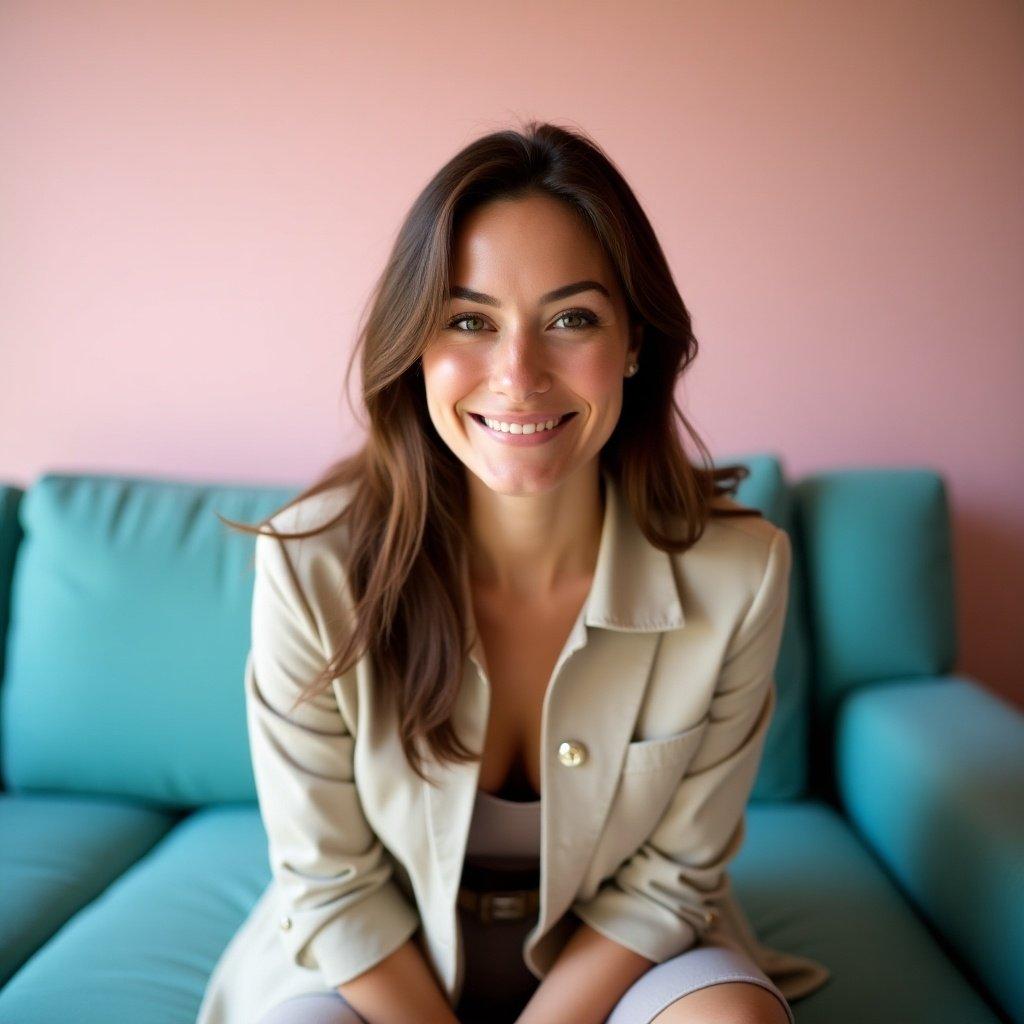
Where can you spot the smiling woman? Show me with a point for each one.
(518, 353)
(519, 609)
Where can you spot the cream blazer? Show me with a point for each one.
(665, 683)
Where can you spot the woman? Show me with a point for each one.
(511, 665)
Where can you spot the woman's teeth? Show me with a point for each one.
(522, 428)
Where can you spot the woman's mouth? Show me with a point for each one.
(522, 434)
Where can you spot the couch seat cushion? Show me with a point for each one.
(58, 853)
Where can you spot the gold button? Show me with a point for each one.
(286, 923)
(710, 916)
(572, 753)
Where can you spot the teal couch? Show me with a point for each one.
(885, 832)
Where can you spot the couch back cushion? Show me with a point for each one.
(784, 766)
(130, 626)
(878, 559)
(127, 641)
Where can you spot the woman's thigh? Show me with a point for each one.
(313, 1008)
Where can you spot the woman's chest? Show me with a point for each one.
(521, 647)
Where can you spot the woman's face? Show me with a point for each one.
(544, 336)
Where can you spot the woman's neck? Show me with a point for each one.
(534, 546)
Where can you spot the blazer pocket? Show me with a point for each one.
(664, 751)
(651, 773)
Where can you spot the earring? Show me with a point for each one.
(632, 368)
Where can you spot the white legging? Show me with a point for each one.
(313, 1008)
(663, 984)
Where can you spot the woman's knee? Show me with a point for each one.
(727, 1002)
(313, 1008)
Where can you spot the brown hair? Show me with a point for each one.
(406, 517)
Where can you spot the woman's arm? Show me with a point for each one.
(340, 910)
(589, 977)
(400, 988)
(658, 902)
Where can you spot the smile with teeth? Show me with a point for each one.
(522, 428)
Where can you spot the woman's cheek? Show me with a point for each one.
(597, 376)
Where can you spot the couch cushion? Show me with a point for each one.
(931, 771)
(783, 774)
(879, 560)
(128, 636)
(811, 887)
(144, 951)
(58, 853)
(149, 595)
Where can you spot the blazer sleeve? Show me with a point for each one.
(340, 910)
(657, 901)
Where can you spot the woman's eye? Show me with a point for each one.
(588, 318)
(452, 324)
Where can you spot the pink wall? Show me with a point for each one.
(195, 199)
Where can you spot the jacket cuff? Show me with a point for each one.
(365, 934)
(640, 925)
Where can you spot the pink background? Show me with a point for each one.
(195, 199)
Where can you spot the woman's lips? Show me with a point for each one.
(523, 440)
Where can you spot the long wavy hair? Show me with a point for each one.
(407, 513)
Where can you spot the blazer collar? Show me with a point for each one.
(634, 589)
(634, 586)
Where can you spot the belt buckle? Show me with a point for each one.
(503, 906)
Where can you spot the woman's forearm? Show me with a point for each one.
(400, 988)
(585, 982)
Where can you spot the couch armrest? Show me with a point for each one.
(931, 773)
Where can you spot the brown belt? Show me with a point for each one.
(499, 895)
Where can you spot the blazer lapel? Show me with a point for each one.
(594, 696)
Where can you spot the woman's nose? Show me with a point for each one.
(520, 365)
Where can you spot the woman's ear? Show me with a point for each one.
(637, 340)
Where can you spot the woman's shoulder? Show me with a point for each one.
(753, 532)
(735, 552)
(318, 511)
(315, 559)
(312, 569)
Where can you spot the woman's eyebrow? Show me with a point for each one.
(458, 292)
